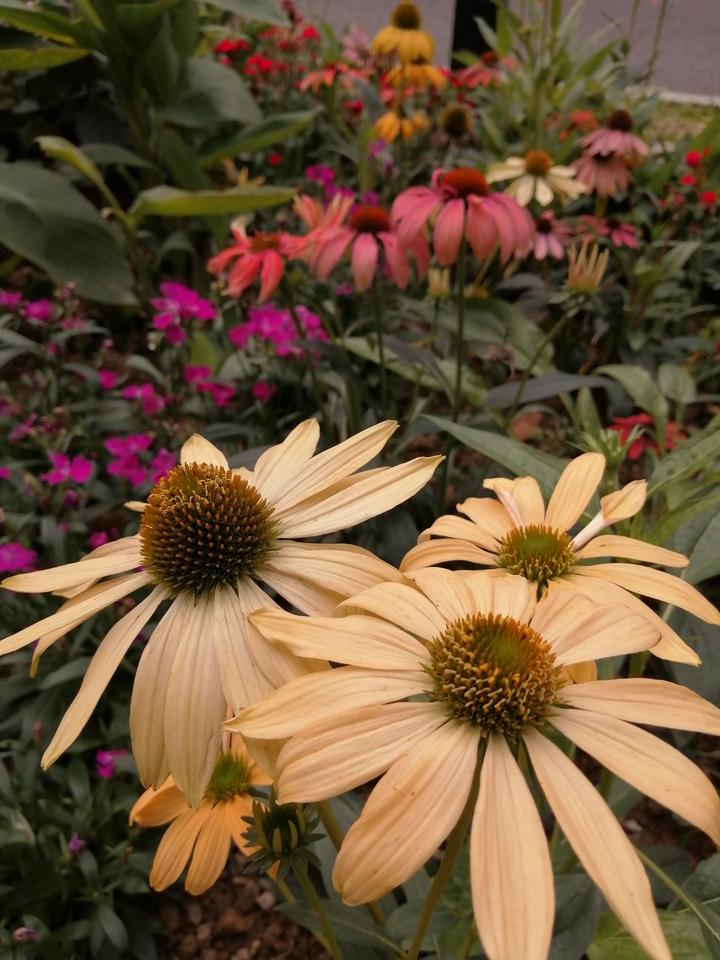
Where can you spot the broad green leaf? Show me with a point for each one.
(577, 907)
(60, 149)
(676, 383)
(39, 58)
(540, 388)
(348, 924)
(210, 93)
(38, 22)
(46, 220)
(704, 639)
(269, 131)
(705, 557)
(106, 154)
(170, 202)
(132, 17)
(519, 458)
(666, 525)
(267, 11)
(640, 387)
(682, 931)
(111, 927)
(687, 459)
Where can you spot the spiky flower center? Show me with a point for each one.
(264, 241)
(536, 552)
(203, 528)
(367, 219)
(231, 778)
(406, 16)
(544, 225)
(494, 672)
(620, 120)
(455, 120)
(538, 163)
(465, 181)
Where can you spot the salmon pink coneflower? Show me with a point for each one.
(462, 206)
(616, 137)
(551, 236)
(605, 173)
(261, 255)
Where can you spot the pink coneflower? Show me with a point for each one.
(606, 174)
(261, 255)
(313, 214)
(616, 137)
(619, 232)
(463, 205)
(551, 236)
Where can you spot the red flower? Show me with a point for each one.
(674, 434)
(310, 33)
(230, 46)
(708, 198)
(694, 158)
(275, 159)
(688, 180)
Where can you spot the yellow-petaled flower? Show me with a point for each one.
(403, 38)
(392, 124)
(210, 538)
(487, 667)
(518, 535)
(438, 283)
(203, 836)
(418, 73)
(586, 267)
(536, 178)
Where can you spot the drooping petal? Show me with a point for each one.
(448, 232)
(458, 529)
(363, 260)
(599, 841)
(510, 871)
(176, 846)
(396, 258)
(434, 552)
(574, 490)
(211, 852)
(71, 574)
(157, 807)
(270, 275)
(492, 519)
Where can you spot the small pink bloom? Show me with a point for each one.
(551, 237)
(196, 374)
(14, 558)
(708, 198)
(98, 538)
(269, 324)
(132, 443)
(607, 174)
(263, 391)
(693, 158)
(177, 306)
(67, 469)
(38, 310)
(221, 393)
(161, 463)
(4, 473)
(10, 300)
(105, 765)
(260, 256)
(23, 429)
(76, 844)
(129, 468)
(107, 379)
(145, 392)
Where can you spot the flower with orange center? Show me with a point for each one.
(202, 836)
(403, 36)
(451, 689)
(534, 177)
(261, 255)
(517, 534)
(617, 138)
(463, 208)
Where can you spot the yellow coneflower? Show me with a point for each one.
(403, 36)
(535, 177)
(520, 537)
(203, 836)
(490, 665)
(391, 125)
(419, 73)
(586, 267)
(209, 536)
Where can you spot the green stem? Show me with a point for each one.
(656, 40)
(316, 905)
(680, 894)
(377, 313)
(468, 942)
(307, 354)
(454, 845)
(548, 338)
(460, 347)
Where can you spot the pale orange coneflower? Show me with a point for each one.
(403, 36)
(392, 124)
(490, 663)
(203, 836)
(586, 266)
(535, 177)
(418, 74)
(209, 538)
(518, 535)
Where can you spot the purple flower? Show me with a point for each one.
(369, 198)
(65, 469)
(76, 844)
(221, 393)
(9, 299)
(4, 473)
(105, 766)
(14, 557)
(177, 305)
(275, 326)
(107, 378)
(161, 463)
(132, 443)
(263, 391)
(320, 174)
(38, 310)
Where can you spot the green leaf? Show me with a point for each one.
(46, 220)
(705, 557)
(133, 17)
(269, 131)
(519, 458)
(687, 459)
(264, 10)
(539, 388)
(211, 93)
(676, 383)
(682, 931)
(109, 925)
(348, 924)
(170, 202)
(669, 522)
(640, 386)
(39, 22)
(107, 154)
(39, 58)
(60, 149)
(577, 908)
(202, 352)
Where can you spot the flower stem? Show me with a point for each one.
(377, 312)
(454, 845)
(316, 905)
(460, 334)
(307, 354)
(548, 338)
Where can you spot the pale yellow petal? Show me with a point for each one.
(175, 847)
(59, 578)
(647, 763)
(311, 599)
(543, 192)
(528, 501)
(276, 468)
(501, 593)
(320, 696)
(511, 876)
(242, 679)
(137, 506)
(631, 549)
(336, 463)
(656, 584)
(355, 500)
(657, 703)
(400, 604)
(502, 488)
(195, 705)
(599, 842)
(356, 640)
(457, 528)
(408, 815)
(75, 611)
(105, 661)
(199, 450)
(491, 518)
(522, 189)
(211, 852)
(583, 672)
(341, 753)
(157, 807)
(573, 491)
(434, 552)
(447, 590)
(624, 503)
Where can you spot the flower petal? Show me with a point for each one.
(528, 500)
(199, 450)
(631, 549)
(491, 517)
(447, 590)
(211, 852)
(339, 754)
(573, 491)
(176, 846)
(277, 467)
(510, 871)
(157, 807)
(71, 574)
(599, 841)
(363, 260)
(434, 552)
(400, 604)
(457, 528)
(501, 593)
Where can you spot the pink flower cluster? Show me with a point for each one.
(15, 558)
(179, 306)
(553, 235)
(127, 463)
(273, 325)
(201, 377)
(67, 469)
(150, 401)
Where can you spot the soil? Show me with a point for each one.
(236, 919)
